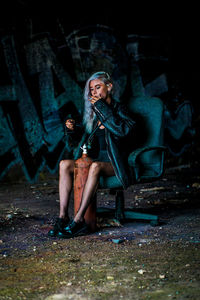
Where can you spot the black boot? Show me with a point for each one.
(73, 229)
(58, 226)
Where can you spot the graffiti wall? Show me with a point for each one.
(42, 80)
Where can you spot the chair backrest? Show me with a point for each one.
(148, 113)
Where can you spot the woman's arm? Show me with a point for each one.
(118, 122)
(73, 134)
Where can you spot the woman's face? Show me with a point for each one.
(99, 88)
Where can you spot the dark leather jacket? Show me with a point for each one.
(118, 129)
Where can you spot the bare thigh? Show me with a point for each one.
(106, 168)
(67, 165)
(103, 168)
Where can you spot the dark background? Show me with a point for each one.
(172, 31)
(178, 22)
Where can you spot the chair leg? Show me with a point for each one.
(122, 214)
(130, 215)
(118, 212)
(119, 206)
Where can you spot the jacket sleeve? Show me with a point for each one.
(117, 122)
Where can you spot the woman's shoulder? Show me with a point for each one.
(119, 105)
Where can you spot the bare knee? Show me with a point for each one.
(66, 166)
(95, 168)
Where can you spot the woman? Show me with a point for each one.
(113, 127)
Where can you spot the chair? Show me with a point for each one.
(147, 159)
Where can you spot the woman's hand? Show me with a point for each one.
(94, 99)
(70, 124)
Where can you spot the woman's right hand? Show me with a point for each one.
(70, 124)
(94, 99)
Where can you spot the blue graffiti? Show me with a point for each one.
(41, 93)
(38, 91)
(31, 128)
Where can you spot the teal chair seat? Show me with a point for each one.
(109, 182)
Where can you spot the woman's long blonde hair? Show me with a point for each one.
(89, 115)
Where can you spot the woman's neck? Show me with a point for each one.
(108, 100)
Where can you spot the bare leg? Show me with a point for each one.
(96, 169)
(66, 171)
